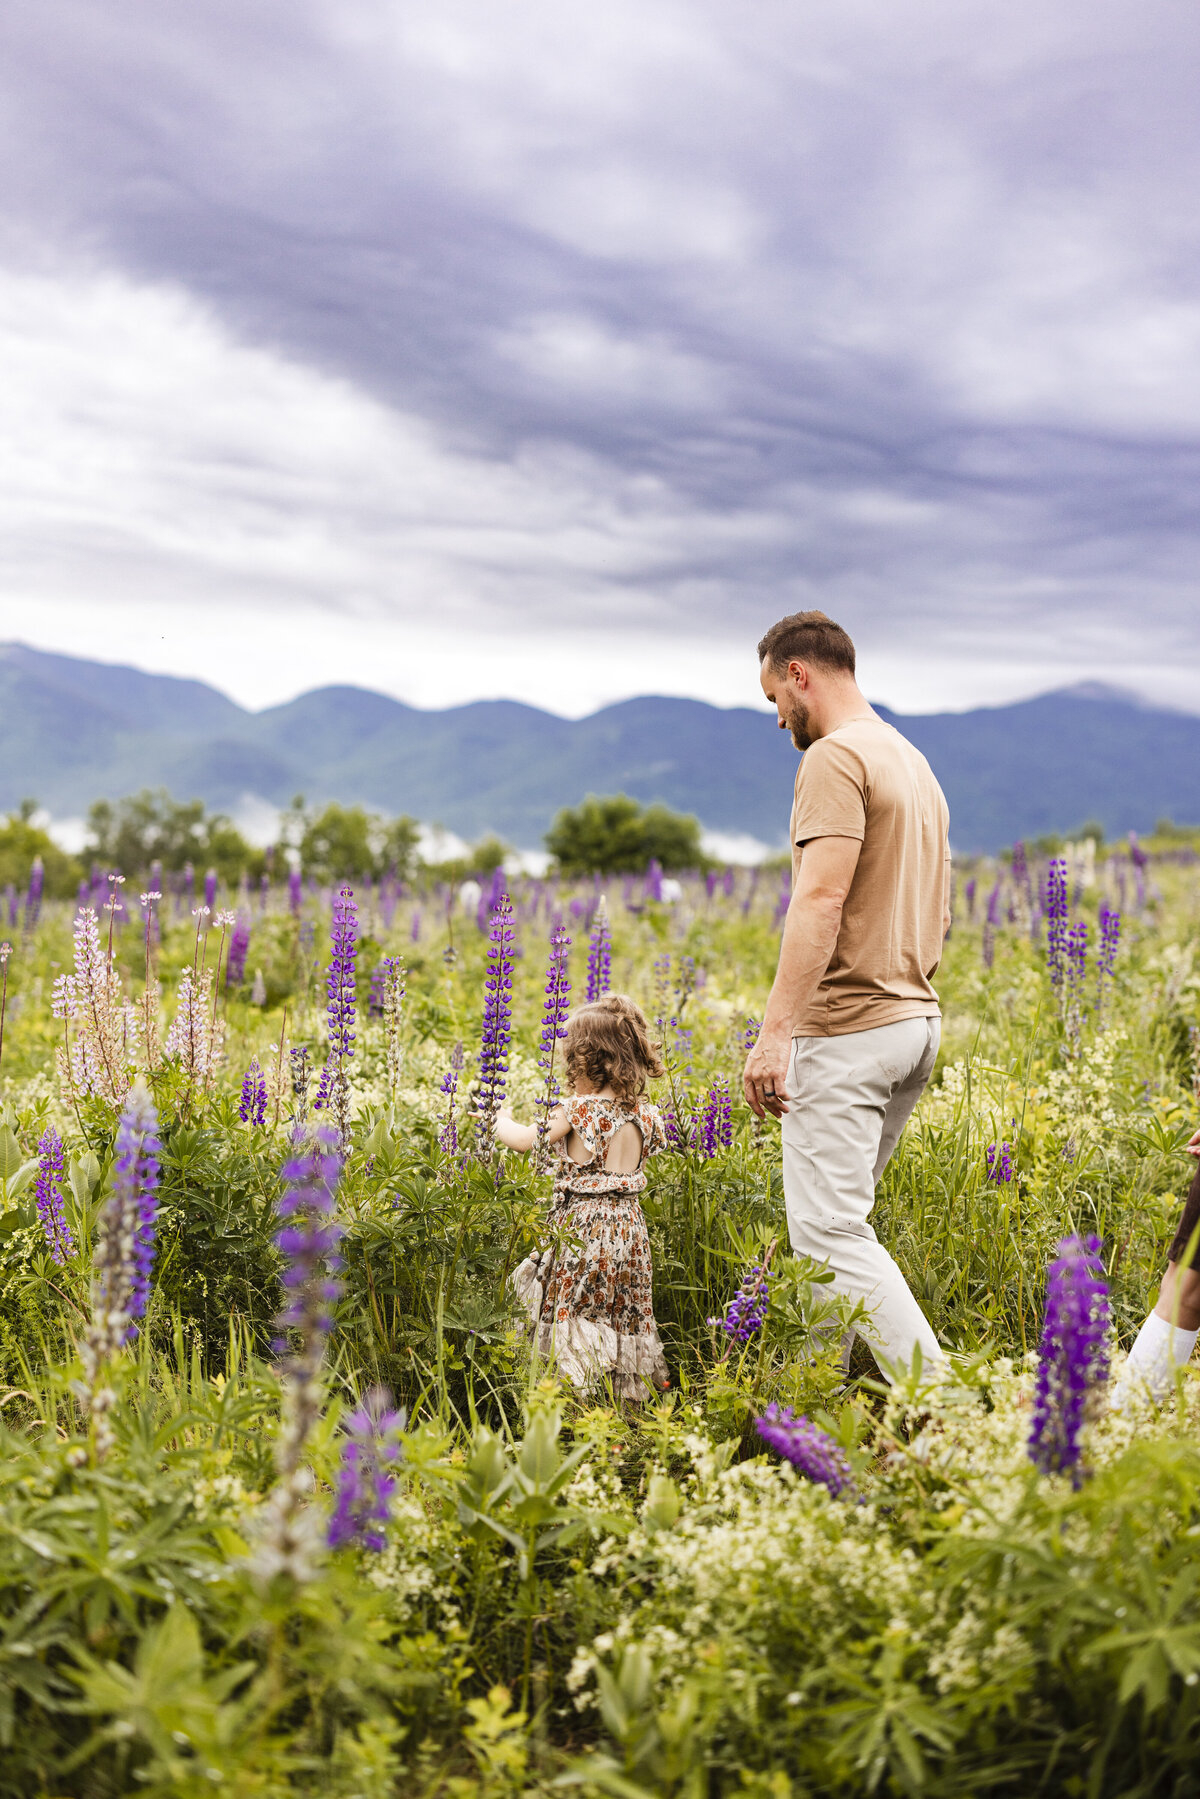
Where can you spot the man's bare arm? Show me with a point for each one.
(809, 938)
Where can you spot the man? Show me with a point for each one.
(852, 1026)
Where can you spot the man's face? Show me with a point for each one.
(788, 700)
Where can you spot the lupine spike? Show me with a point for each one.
(365, 1480)
(555, 1003)
(340, 1013)
(748, 1307)
(599, 963)
(125, 1239)
(1073, 1356)
(497, 1021)
(50, 1196)
(252, 1107)
(289, 1531)
(809, 1448)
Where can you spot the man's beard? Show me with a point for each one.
(797, 723)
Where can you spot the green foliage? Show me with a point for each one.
(348, 843)
(21, 842)
(482, 857)
(151, 827)
(617, 835)
(576, 1596)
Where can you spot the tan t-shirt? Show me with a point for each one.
(866, 781)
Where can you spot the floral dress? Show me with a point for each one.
(588, 1293)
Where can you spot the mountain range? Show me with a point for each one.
(72, 731)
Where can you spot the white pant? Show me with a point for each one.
(849, 1098)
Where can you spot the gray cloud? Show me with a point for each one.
(703, 312)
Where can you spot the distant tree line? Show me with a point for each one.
(611, 834)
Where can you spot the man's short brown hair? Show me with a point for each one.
(807, 637)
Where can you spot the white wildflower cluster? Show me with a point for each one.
(1083, 1094)
(219, 1495)
(418, 1566)
(768, 1571)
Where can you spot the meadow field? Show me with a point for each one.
(286, 1507)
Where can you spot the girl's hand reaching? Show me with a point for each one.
(1193, 1147)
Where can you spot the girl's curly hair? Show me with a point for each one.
(609, 1043)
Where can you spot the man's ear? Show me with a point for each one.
(798, 673)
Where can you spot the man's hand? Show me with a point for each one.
(765, 1076)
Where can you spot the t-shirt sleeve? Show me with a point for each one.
(831, 799)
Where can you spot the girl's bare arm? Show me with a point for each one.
(522, 1137)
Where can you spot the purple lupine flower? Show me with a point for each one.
(50, 1196)
(807, 1447)
(748, 1307)
(1137, 854)
(710, 883)
(365, 1480)
(33, 894)
(1073, 1356)
(340, 981)
(1110, 937)
(1020, 871)
(334, 1089)
(288, 1529)
(654, 879)
(677, 1131)
(299, 1069)
(124, 1254)
(307, 1241)
(252, 1107)
(448, 1135)
(391, 1003)
(375, 995)
(497, 1021)
(122, 1259)
(715, 1124)
(210, 889)
(599, 962)
(969, 891)
(999, 1163)
(295, 889)
(415, 928)
(555, 1002)
(239, 949)
(989, 926)
(1057, 913)
(750, 1034)
(10, 894)
(1077, 943)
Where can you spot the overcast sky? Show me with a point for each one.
(553, 351)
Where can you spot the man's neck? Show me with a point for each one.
(840, 708)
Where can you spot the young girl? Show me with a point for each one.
(1168, 1337)
(591, 1305)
